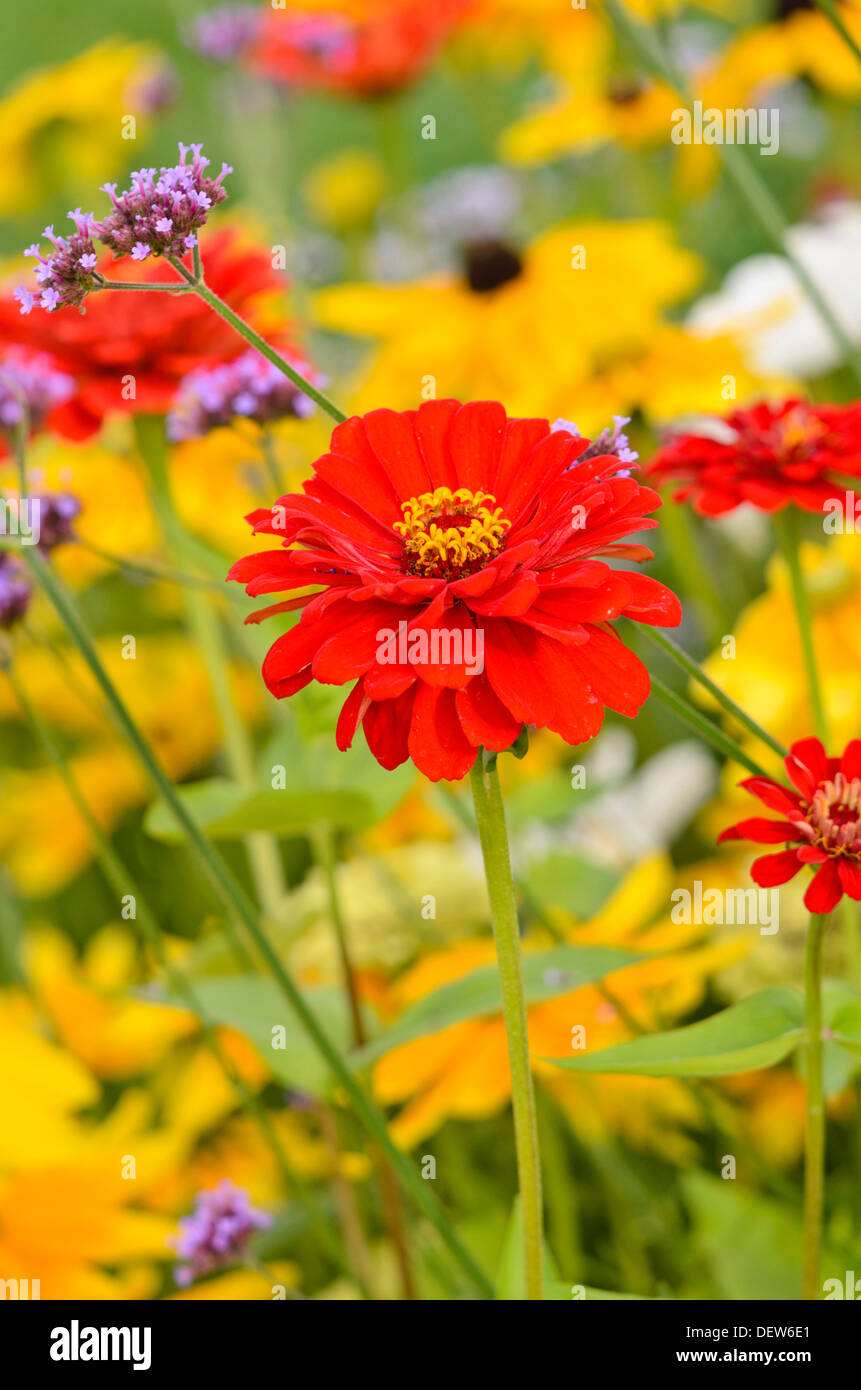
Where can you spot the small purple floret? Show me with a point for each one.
(15, 591)
(217, 1232)
(30, 386)
(162, 211)
(226, 32)
(249, 387)
(609, 441)
(68, 273)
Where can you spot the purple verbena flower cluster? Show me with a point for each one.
(15, 591)
(162, 212)
(217, 1232)
(249, 387)
(30, 388)
(226, 32)
(609, 441)
(68, 273)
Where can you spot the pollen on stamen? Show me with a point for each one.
(449, 534)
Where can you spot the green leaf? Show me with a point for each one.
(578, 885)
(226, 811)
(546, 974)
(846, 1026)
(755, 1033)
(254, 1006)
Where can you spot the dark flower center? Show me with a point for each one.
(784, 8)
(624, 91)
(490, 264)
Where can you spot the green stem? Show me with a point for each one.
(788, 531)
(704, 727)
(234, 898)
(696, 672)
(490, 818)
(741, 173)
(814, 1128)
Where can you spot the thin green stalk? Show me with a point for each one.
(741, 173)
(490, 818)
(830, 9)
(814, 1127)
(704, 727)
(679, 531)
(789, 535)
(696, 672)
(156, 573)
(233, 896)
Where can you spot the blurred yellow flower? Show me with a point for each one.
(62, 128)
(344, 191)
(569, 327)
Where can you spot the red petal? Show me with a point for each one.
(652, 602)
(352, 713)
(850, 763)
(484, 717)
(776, 797)
(826, 890)
(437, 743)
(387, 726)
(771, 869)
(762, 831)
(475, 443)
(432, 423)
(392, 437)
(850, 877)
(807, 765)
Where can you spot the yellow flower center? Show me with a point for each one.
(451, 534)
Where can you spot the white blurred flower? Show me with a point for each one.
(763, 307)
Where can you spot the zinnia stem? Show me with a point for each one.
(786, 525)
(490, 817)
(696, 672)
(814, 1128)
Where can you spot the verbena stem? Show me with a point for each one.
(814, 1127)
(490, 818)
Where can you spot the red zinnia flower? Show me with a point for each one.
(823, 815)
(443, 532)
(362, 54)
(770, 455)
(154, 338)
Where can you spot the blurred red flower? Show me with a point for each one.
(456, 553)
(769, 455)
(156, 339)
(823, 814)
(362, 53)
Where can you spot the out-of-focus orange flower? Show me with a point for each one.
(366, 48)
